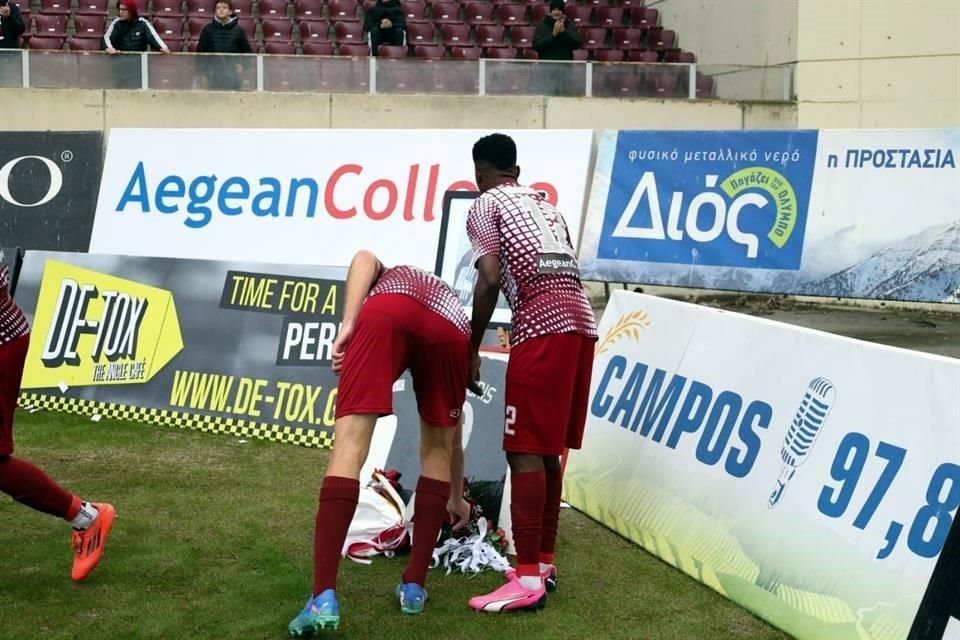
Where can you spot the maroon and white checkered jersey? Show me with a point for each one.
(425, 288)
(13, 324)
(539, 274)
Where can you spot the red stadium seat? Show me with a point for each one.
(279, 47)
(167, 8)
(277, 30)
(272, 9)
(354, 49)
(317, 48)
(348, 32)
(51, 26)
(455, 35)
(490, 35)
(89, 26)
(420, 33)
(92, 7)
(433, 51)
(466, 53)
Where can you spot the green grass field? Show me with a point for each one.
(214, 540)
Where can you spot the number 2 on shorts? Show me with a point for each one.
(510, 421)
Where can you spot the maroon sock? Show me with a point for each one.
(551, 513)
(29, 485)
(526, 510)
(429, 512)
(338, 502)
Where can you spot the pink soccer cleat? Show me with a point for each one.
(511, 597)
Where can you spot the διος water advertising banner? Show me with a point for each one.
(871, 214)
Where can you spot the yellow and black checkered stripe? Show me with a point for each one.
(182, 420)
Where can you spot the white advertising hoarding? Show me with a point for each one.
(307, 196)
(809, 477)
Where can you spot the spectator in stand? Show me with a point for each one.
(130, 32)
(556, 38)
(223, 35)
(385, 22)
(11, 25)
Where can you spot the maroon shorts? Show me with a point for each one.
(393, 333)
(548, 387)
(12, 356)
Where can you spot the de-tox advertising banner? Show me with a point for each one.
(308, 196)
(869, 214)
(48, 188)
(218, 346)
(814, 481)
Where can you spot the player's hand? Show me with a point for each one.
(459, 512)
(473, 384)
(340, 348)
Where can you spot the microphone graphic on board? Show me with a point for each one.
(803, 432)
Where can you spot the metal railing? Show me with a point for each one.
(321, 74)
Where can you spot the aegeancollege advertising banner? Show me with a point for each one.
(841, 213)
(814, 482)
(308, 196)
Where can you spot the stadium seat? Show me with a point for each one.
(315, 31)
(243, 9)
(580, 14)
(663, 41)
(445, 12)
(608, 55)
(705, 86)
(279, 47)
(610, 17)
(167, 8)
(92, 7)
(513, 14)
(342, 10)
(348, 32)
(169, 27)
(415, 11)
(592, 38)
(455, 35)
(85, 44)
(466, 53)
(308, 9)
(195, 25)
(622, 86)
(629, 5)
(539, 12)
(627, 38)
(420, 33)
(479, 13)
(433, 51)
(51, 26)
(318, 48)
(644, 18)
(531, 54)
(642, 56)
(89, 26)
(501, 53)
(272, 9)
(277, 30)
(55, 7)
(46, 43)
(354, 49)
(200, 9)
(521, 36)
(581, 55)
(392, 51)
(248, 24)
(490, 35)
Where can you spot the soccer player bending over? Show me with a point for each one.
(25, 482)
(522, 245)
(393, 319)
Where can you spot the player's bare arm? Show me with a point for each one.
(363, 273)
(485, 294)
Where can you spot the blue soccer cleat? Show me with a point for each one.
(321, 612)
(412, 597)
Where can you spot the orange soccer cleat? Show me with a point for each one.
(88, 544)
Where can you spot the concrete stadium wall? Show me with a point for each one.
(872, 63)
(75, 109)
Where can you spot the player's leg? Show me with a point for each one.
(29, 485)
(439, 369)
(374, 359)
(579, 396)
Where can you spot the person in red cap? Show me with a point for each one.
(25, 482)
(131, 32)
